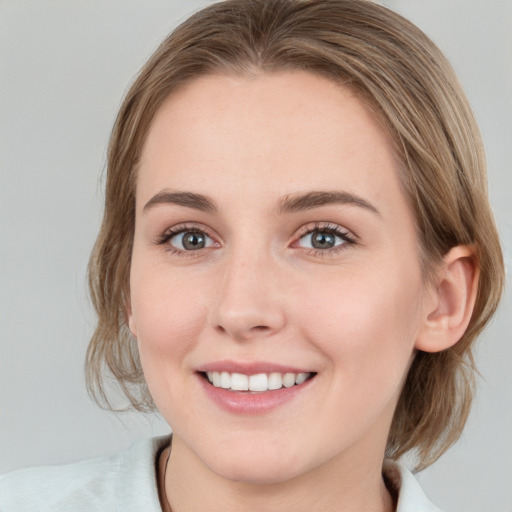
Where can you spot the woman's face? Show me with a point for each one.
(272, 237)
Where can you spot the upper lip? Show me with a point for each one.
(249, 367)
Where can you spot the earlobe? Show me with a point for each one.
(131, 321)
(131, 325)
(454, 293)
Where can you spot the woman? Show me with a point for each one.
(296, 256)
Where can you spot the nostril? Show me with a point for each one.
(246, 323)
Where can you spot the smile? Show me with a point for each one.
(259, 382)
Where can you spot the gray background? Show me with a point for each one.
(64, 66)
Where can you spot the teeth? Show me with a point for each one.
(275, 381)
(288, 380)
(255, 383)
(301, 377)
(239, 382)
(258, 382)
(225, 380)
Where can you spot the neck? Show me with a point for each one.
(339, 484)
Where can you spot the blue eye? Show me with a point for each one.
(324, 239)
(190, 240)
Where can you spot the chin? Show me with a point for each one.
(257, 464)
(255, 474)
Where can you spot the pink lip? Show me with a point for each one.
(246, 402)
(249, 368)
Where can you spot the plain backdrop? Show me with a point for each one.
(64, 66)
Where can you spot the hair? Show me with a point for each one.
(410, 87)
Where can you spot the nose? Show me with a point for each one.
(250, 300)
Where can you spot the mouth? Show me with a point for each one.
(255, 383)
(254, 388)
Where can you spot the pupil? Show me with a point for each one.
(193, 241)
(322, 240)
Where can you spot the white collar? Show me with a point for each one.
(411, 497)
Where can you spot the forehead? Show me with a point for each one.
(271, 134)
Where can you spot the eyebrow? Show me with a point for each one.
(187, 199)
(310, 200)
(288, 204)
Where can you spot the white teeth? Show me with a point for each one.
(288, 380)
(256, 383)
(301, 377)
(239, 382)
(275, 381)
(225, 380)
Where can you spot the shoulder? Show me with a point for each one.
(124, 481)
(411, 497)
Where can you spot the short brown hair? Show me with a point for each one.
(410, 86)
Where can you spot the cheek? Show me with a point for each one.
(365, 323)
(165, 321)
(168, 315)
(169, 318)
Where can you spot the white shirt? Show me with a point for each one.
(126, 482)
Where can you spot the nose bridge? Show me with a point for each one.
(249, 297)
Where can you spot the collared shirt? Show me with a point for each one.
(126, 482)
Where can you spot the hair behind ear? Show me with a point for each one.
(436, 399)
(434, 405)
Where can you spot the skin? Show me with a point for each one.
(354, 314)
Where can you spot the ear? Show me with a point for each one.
(131, 320)
(453, 296)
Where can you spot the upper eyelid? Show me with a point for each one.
(172, 231)
(188, 226)
(299, 233)
(325, 225)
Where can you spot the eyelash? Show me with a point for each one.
(165, 237)
(333, 229)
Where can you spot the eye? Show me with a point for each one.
(190, 240)
(324, 238)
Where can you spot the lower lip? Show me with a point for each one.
(244, 402)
